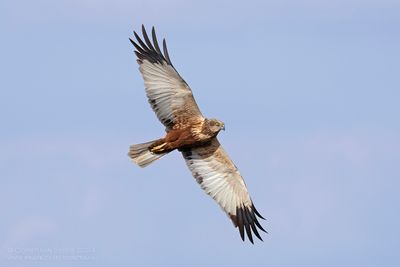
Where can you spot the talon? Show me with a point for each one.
(158, 149)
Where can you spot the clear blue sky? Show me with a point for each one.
(309, 92)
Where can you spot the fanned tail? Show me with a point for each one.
(141, 155)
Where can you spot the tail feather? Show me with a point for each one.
(141, 155)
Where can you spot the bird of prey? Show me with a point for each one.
(189, 132)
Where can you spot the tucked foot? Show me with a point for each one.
(159, 149)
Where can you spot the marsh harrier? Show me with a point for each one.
(189, 132)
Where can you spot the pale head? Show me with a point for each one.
(215, 125)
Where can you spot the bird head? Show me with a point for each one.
(216, 125)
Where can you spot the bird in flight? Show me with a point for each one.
(189, 132)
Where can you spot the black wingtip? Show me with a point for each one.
(257, 213)
(240, 225)
(156, 46)
(149, 49)
(255, 231)
(249, 235)
(259, 225)
(246, 224)
(166, 52)
(146, 39)
(246, 221)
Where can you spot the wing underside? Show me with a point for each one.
(168, 94)
(219, 178)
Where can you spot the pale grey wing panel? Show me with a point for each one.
(168, 94)
(219, 178)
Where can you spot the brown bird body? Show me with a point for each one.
(192, 134)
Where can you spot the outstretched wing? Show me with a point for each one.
(169, 95)
(219, 177)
